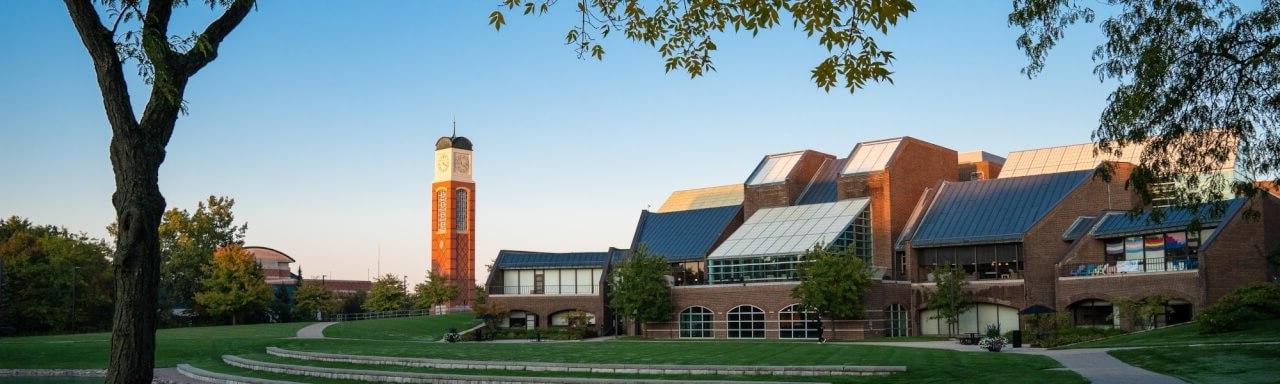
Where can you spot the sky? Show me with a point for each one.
(320, 121)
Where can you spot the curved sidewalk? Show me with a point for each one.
(313, 331)
(1094, 364)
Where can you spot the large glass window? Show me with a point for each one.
(897, 317)
(746, 322)
(754, 269)
(857, 237)
(460, 214)
(696, 322)
(980, 262)
(794, 322)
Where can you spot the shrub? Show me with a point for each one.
(1048, 331)
(1242, 306)
(546, 334)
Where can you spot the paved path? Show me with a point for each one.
(313, 331)
(1094, 364)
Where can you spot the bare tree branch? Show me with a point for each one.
(106, 63)
(206, 46)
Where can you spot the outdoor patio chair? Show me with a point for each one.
(1100, 270)
(1079, 271)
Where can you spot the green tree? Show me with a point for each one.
(188, 241)
(1198, 82)
(314, 301)
(639, 287)
(167, 62)
(681, 31)
(234, 285)
(387, 294)
(833, 284)
(52, 279)
(1142, 313)
(435, 291)
(949, 297)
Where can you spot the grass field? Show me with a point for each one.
(173, 346)
(417, 328)
(1210, 363)
(1188, 334)
(203, 347)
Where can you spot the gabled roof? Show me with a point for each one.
(508, 259)
(823, 187)
(710, 197)
(774, 168)
(791, 229)
(871, 156)
(683, 235)
(1122, 224)
(992, 211)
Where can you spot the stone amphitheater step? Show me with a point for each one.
(752, 370)
(439, 378)
(215, 377)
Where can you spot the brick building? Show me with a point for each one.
(1034, 229)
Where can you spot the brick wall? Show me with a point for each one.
(1185, 285)
(546, 305)
(895, 191)
(772, 298)
(1237, 256)
(1042, 245)
(917, 166)
(785, 193)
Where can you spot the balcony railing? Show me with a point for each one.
(1121, 267)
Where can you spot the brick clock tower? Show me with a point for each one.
(453, 216)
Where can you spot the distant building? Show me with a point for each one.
(344, 286)
(1039, 229)
(275, 265)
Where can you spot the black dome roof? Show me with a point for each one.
(458, 142)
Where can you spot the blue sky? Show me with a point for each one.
(320, 121)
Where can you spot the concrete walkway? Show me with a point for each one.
(313, 331)
(1094, 364)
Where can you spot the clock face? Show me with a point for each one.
(442, 162)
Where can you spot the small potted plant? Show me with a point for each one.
(993, 341)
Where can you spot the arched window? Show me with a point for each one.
(442, 206)
(746, 322)
(794, 322)
(460, 211)
(897, 318)
(696, 322)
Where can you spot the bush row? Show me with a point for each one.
(1242, 306)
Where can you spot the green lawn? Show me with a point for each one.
(1211, 363)
(1188, 334)
(418, 328)
(204, 346)
(173, 346)
(923, 365)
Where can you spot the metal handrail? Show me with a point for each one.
(380, 315)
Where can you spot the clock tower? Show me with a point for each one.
(453, 212)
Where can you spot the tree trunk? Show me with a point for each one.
(136, 159)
